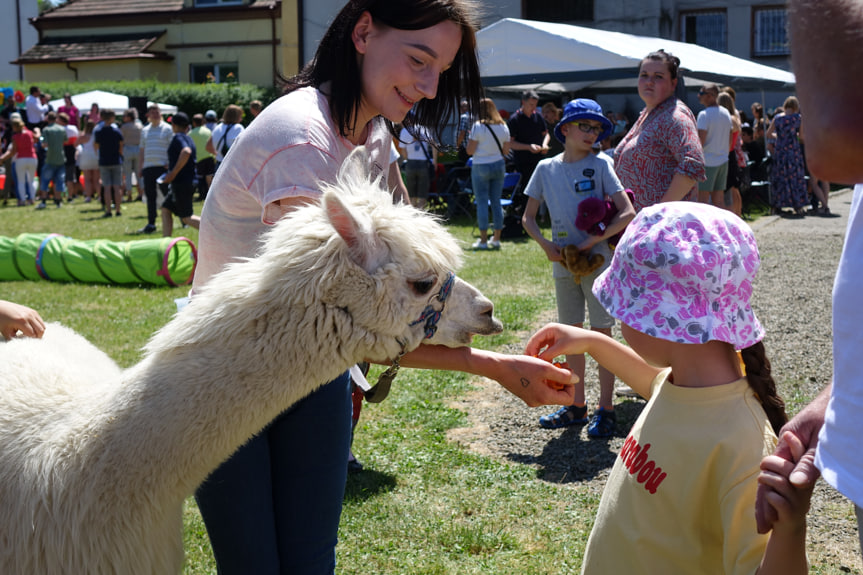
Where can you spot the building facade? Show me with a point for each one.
(167, 40)
(256, 40)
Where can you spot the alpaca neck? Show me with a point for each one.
(182, 411)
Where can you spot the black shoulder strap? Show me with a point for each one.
(496, 141)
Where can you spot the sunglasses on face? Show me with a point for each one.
(588, 129)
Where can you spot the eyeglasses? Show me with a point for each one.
(588, 129)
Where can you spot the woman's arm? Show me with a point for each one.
(680, 186)
(10, 153)
(471, 147)
(522, 375)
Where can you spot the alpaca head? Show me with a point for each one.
(387, 268)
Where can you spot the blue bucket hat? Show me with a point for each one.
(583, 109)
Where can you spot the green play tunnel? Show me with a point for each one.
(54, 257)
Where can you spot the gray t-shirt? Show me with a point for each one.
(563, 186)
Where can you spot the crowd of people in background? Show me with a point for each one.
(566, 158)
(53, 156)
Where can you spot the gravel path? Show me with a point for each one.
(792, 299)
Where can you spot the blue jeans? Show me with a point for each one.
(274, 506)
(57, 174)
(487, 183)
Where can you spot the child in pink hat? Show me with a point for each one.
(681, 494)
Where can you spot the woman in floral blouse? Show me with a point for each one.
(660, 158)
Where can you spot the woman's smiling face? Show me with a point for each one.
(401, 67)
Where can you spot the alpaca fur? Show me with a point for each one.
(95, 461)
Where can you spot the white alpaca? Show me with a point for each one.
(95, 462)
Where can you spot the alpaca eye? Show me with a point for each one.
(422, 287)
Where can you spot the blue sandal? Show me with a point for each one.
(566, 415)
(602, 423)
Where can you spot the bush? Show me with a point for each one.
(189, 98)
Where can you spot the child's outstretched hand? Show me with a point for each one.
(15, 317)
(556, 339)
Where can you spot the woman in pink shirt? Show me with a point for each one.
(660, 158)
(24, 154)
(274, 506)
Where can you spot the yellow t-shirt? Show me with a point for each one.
(681, 495)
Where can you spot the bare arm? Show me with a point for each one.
(804, 428)
(786, 549)
(521, 375)
(182, 160)
(818, 32)
(471, 147)
(680, 186)
(528, 220)
(556, 339)
(10, 153)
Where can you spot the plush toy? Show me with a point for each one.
(579, 264)
(594, 215)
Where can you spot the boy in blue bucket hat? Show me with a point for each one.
(563, 182)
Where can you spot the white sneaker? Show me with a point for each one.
(494, 244)
(480, 245)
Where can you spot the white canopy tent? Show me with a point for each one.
(107, 101)
(524, 54)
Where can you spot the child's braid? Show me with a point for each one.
(761, 381)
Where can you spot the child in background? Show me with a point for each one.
(681, 494)
(109, 146)
(563, 182)
(181, 177)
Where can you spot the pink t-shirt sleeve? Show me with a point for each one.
(306, 163)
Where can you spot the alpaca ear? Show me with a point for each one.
(356, 168)
(351, 229)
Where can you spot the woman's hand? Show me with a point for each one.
(533, 380)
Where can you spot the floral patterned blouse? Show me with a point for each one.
(663, 142)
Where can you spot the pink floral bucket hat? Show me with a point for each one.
(683, 272)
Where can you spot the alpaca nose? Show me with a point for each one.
(487, 312)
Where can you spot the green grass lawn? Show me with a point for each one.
(424, 505)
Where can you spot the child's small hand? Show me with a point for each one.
(15, 317)
(552, 252)
(789, 503)
(556, 339)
